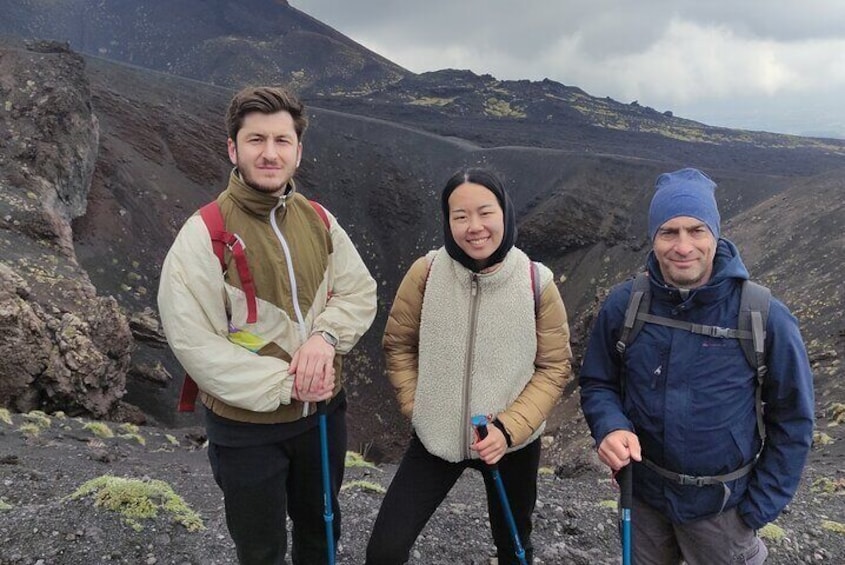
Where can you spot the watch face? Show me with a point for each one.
(332, 340)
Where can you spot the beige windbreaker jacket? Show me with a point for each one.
(307, 279)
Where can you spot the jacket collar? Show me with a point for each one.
(506, 268)
(257, 203)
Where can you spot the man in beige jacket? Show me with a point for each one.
(264, 354)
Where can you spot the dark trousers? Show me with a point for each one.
(260, 482)
(423, 480)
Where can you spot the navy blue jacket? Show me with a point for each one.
(690, 398)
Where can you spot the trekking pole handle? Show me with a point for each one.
(626, 479)
(479, 422)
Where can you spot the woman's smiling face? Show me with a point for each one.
(476, 220)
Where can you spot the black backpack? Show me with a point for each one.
(751, 333)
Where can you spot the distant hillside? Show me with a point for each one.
(493, 112)
(217, 41)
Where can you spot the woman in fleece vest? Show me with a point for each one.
(465, 337)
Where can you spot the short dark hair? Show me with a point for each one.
(267, 100)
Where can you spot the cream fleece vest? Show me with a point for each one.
(478, 343)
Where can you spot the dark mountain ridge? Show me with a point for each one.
(215, 41)
(545, 113)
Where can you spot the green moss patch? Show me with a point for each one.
(501, 109)
(837, 527)
(99, 429)
(30, 429)
(38, 418)
(771, 532)
(139, 499)
(354, 459)
(364, 485)
(824, 485)
(837, 412)
(821, 439)
(609, 504)
(131, 431)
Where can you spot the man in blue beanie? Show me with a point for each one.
(675, 395)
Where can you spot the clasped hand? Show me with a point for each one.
(312, 367)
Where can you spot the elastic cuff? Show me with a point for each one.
(502, 429)
(286, 389)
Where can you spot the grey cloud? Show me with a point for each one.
(623, 48)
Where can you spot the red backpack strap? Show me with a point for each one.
(188, 395)
(321, 212)
(213, 219)
(220, 238)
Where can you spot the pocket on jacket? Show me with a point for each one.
(745, 443)
(647, 363)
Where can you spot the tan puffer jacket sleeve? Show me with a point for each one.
(402, 335)
(553, 369)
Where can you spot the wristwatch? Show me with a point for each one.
(330, 339)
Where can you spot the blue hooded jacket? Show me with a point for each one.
(690, 398)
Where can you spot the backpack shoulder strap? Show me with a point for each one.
(638, 302)
(322, 213)
(221, 239)
(535, 286)
(753, 316)
(213, 218)
(638, 305)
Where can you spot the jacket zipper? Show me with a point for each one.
(473, 319)
(293, 290)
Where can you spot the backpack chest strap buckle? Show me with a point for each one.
(723, 333)
(691, 481)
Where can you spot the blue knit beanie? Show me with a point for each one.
(687, 192)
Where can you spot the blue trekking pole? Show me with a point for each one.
(328, 513)
(480, 424)
(625, 478)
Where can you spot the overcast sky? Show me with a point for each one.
(776, 65)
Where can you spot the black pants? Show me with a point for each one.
(260, 482)
(423, 480)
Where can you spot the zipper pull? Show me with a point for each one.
(474, 285)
